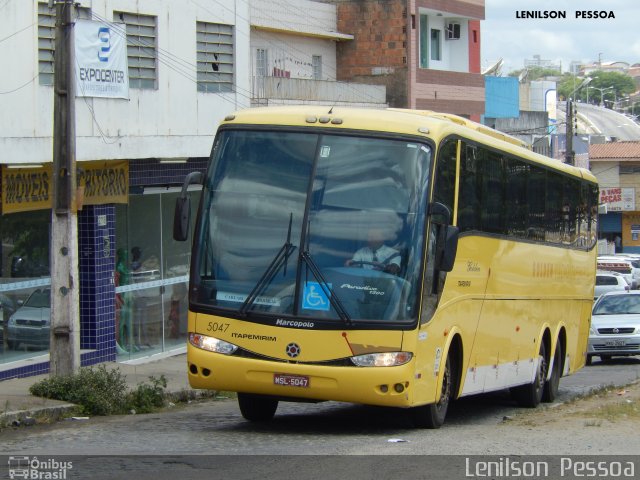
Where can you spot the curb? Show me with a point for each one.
(19, 416)
(56, 412)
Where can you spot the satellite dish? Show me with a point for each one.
(523, 76)
(494, 69)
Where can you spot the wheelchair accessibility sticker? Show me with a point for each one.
(314, 297)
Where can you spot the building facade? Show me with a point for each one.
(426, 52)
(617, 167)
(188, 67)
(293, 60)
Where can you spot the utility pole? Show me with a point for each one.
(568, 155)
(65, 309)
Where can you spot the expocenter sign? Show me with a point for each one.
(101, 60)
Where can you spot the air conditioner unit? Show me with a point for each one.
(453, 31)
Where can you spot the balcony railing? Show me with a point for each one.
(279, 90)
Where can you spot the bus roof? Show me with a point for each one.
(423, 123)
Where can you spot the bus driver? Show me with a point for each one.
(376, 255)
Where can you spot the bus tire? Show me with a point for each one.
(550, 391)
(589, 360)
(530, 395)
(257, 408)
(433, 415)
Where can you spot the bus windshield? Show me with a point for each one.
(323, 227)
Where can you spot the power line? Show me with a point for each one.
(15, 33)
(21, 86)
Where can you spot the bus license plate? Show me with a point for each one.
(290, 380)
(615, 343)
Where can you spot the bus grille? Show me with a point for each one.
(340, 362)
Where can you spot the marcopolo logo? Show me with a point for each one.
(35, 468)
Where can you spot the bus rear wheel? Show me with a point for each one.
(257, 408)
(530, 395)
(433, 415)
(551, 386)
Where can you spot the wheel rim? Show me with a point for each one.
(542, 372)
(446, 389)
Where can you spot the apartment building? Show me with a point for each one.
(426, 52)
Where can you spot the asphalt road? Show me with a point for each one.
(331, 428)
(609, 123)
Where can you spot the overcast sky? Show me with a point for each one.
(559, 40)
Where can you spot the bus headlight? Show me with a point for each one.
(387, 359)
(212, 344)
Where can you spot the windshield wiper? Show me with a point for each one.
(265, 280)
(328, 291)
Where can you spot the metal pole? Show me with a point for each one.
(568, 156)
(65, 310)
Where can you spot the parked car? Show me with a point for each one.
(615, 326)
(7, 308)
(634, 259)
(23, 267)
(610, 282)
(30, 324)
(620, 265)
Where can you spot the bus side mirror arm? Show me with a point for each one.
(182, 212)
(448, 257)
(447, 242)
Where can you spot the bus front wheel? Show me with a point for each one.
(530, 395)
(433, 415)
(257, 408)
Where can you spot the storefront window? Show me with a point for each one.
(151, 276)
(24, 285)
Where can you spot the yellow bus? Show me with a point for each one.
(386, 257)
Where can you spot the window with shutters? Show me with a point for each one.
(47, 39)
(215, 57)
(142, 56)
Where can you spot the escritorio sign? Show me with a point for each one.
(27, 189)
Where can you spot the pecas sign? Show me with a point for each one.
(101, 60)
(618, 199)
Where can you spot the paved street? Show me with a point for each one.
(216, 427)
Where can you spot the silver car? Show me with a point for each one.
(30, 324)
(615, 326)
(609, 282)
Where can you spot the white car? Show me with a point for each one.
(619, 265)
(615, 326)
(610, 282)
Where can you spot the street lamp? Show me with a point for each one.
(602, 90)
(584, 83)
(569, 155)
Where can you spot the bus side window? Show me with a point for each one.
(445, 182)
(469, 203)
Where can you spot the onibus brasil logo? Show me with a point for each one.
(35, 468)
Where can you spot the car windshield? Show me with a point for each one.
(39, 299)
(617, 305)
(309, 225)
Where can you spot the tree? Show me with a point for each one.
(535, 73)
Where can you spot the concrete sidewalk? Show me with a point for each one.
(16, 403)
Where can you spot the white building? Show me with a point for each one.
(293, 57)
(168, 117)
(188, 67)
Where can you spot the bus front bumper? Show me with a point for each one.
(384, 386)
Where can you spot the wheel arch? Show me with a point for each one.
(455, 348)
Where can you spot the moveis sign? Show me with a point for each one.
(25, 189)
